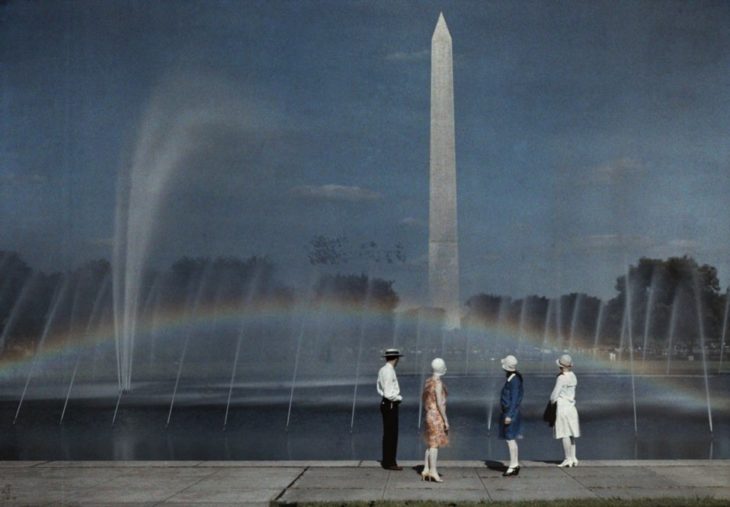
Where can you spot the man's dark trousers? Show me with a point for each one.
(389, 409)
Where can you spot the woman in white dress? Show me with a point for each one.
(567, 427)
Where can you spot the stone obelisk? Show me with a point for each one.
(443, 244)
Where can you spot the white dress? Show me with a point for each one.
(566, 417)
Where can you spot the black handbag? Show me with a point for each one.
(550, 413)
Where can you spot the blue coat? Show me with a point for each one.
(510, 402)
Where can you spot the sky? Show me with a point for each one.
(588, 134)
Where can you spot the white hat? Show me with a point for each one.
(438, 366)
(565, 361)
(509, 363)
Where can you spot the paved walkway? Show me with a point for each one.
(101, 483)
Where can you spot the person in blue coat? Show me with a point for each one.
(510, 421)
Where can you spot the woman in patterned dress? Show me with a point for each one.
(436, 427)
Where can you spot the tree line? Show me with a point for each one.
(74, 300)
(658, 301)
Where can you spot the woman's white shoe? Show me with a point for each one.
(567, 463)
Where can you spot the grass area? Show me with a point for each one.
(583, 502)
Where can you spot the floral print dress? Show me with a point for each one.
(434, 432)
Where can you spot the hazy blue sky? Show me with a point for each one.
(587, 133)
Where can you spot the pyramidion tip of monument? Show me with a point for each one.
(441, 28)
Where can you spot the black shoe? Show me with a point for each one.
(393, 467)
(511, 472)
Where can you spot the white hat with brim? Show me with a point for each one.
(509, 363)
(565, 361)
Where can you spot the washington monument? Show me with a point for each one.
(443, 242)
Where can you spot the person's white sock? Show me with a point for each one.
(513, 456)
(426, 466)
(572, 451)
(434, 458)
(567, 448)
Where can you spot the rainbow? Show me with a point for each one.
(58, 348)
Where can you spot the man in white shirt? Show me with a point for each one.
(390, 391)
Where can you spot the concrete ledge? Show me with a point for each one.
(284, 482)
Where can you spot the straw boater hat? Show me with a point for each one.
(565, 361)
(392, 354)
(509, 363)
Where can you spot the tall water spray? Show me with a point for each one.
(169, 133)
(574, 320)
(672, 327)
(701, 329)
(629, 326)
(49, 320)
(599, 324)
(647, 316)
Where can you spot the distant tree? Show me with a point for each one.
(657, 288)
(357, 289)
(483, 308)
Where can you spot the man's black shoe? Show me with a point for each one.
(393, 467)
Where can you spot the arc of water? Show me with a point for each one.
(163, 142)
(396, 329)
(92, 318)
(245, 301)
(233, 374)
(502, 318)
(300, 337)
(50, 317)
(368, 297)
(631, 346)
(647, 316)
(724, 329)
(521, 325)
(574, 320)
(148, 307)
(546, 330)
(155, 326)
(559, 321)
(116, 407)
(672, 325)
(196, 303)
(599, 324)
(701, 328)
(469, 332)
